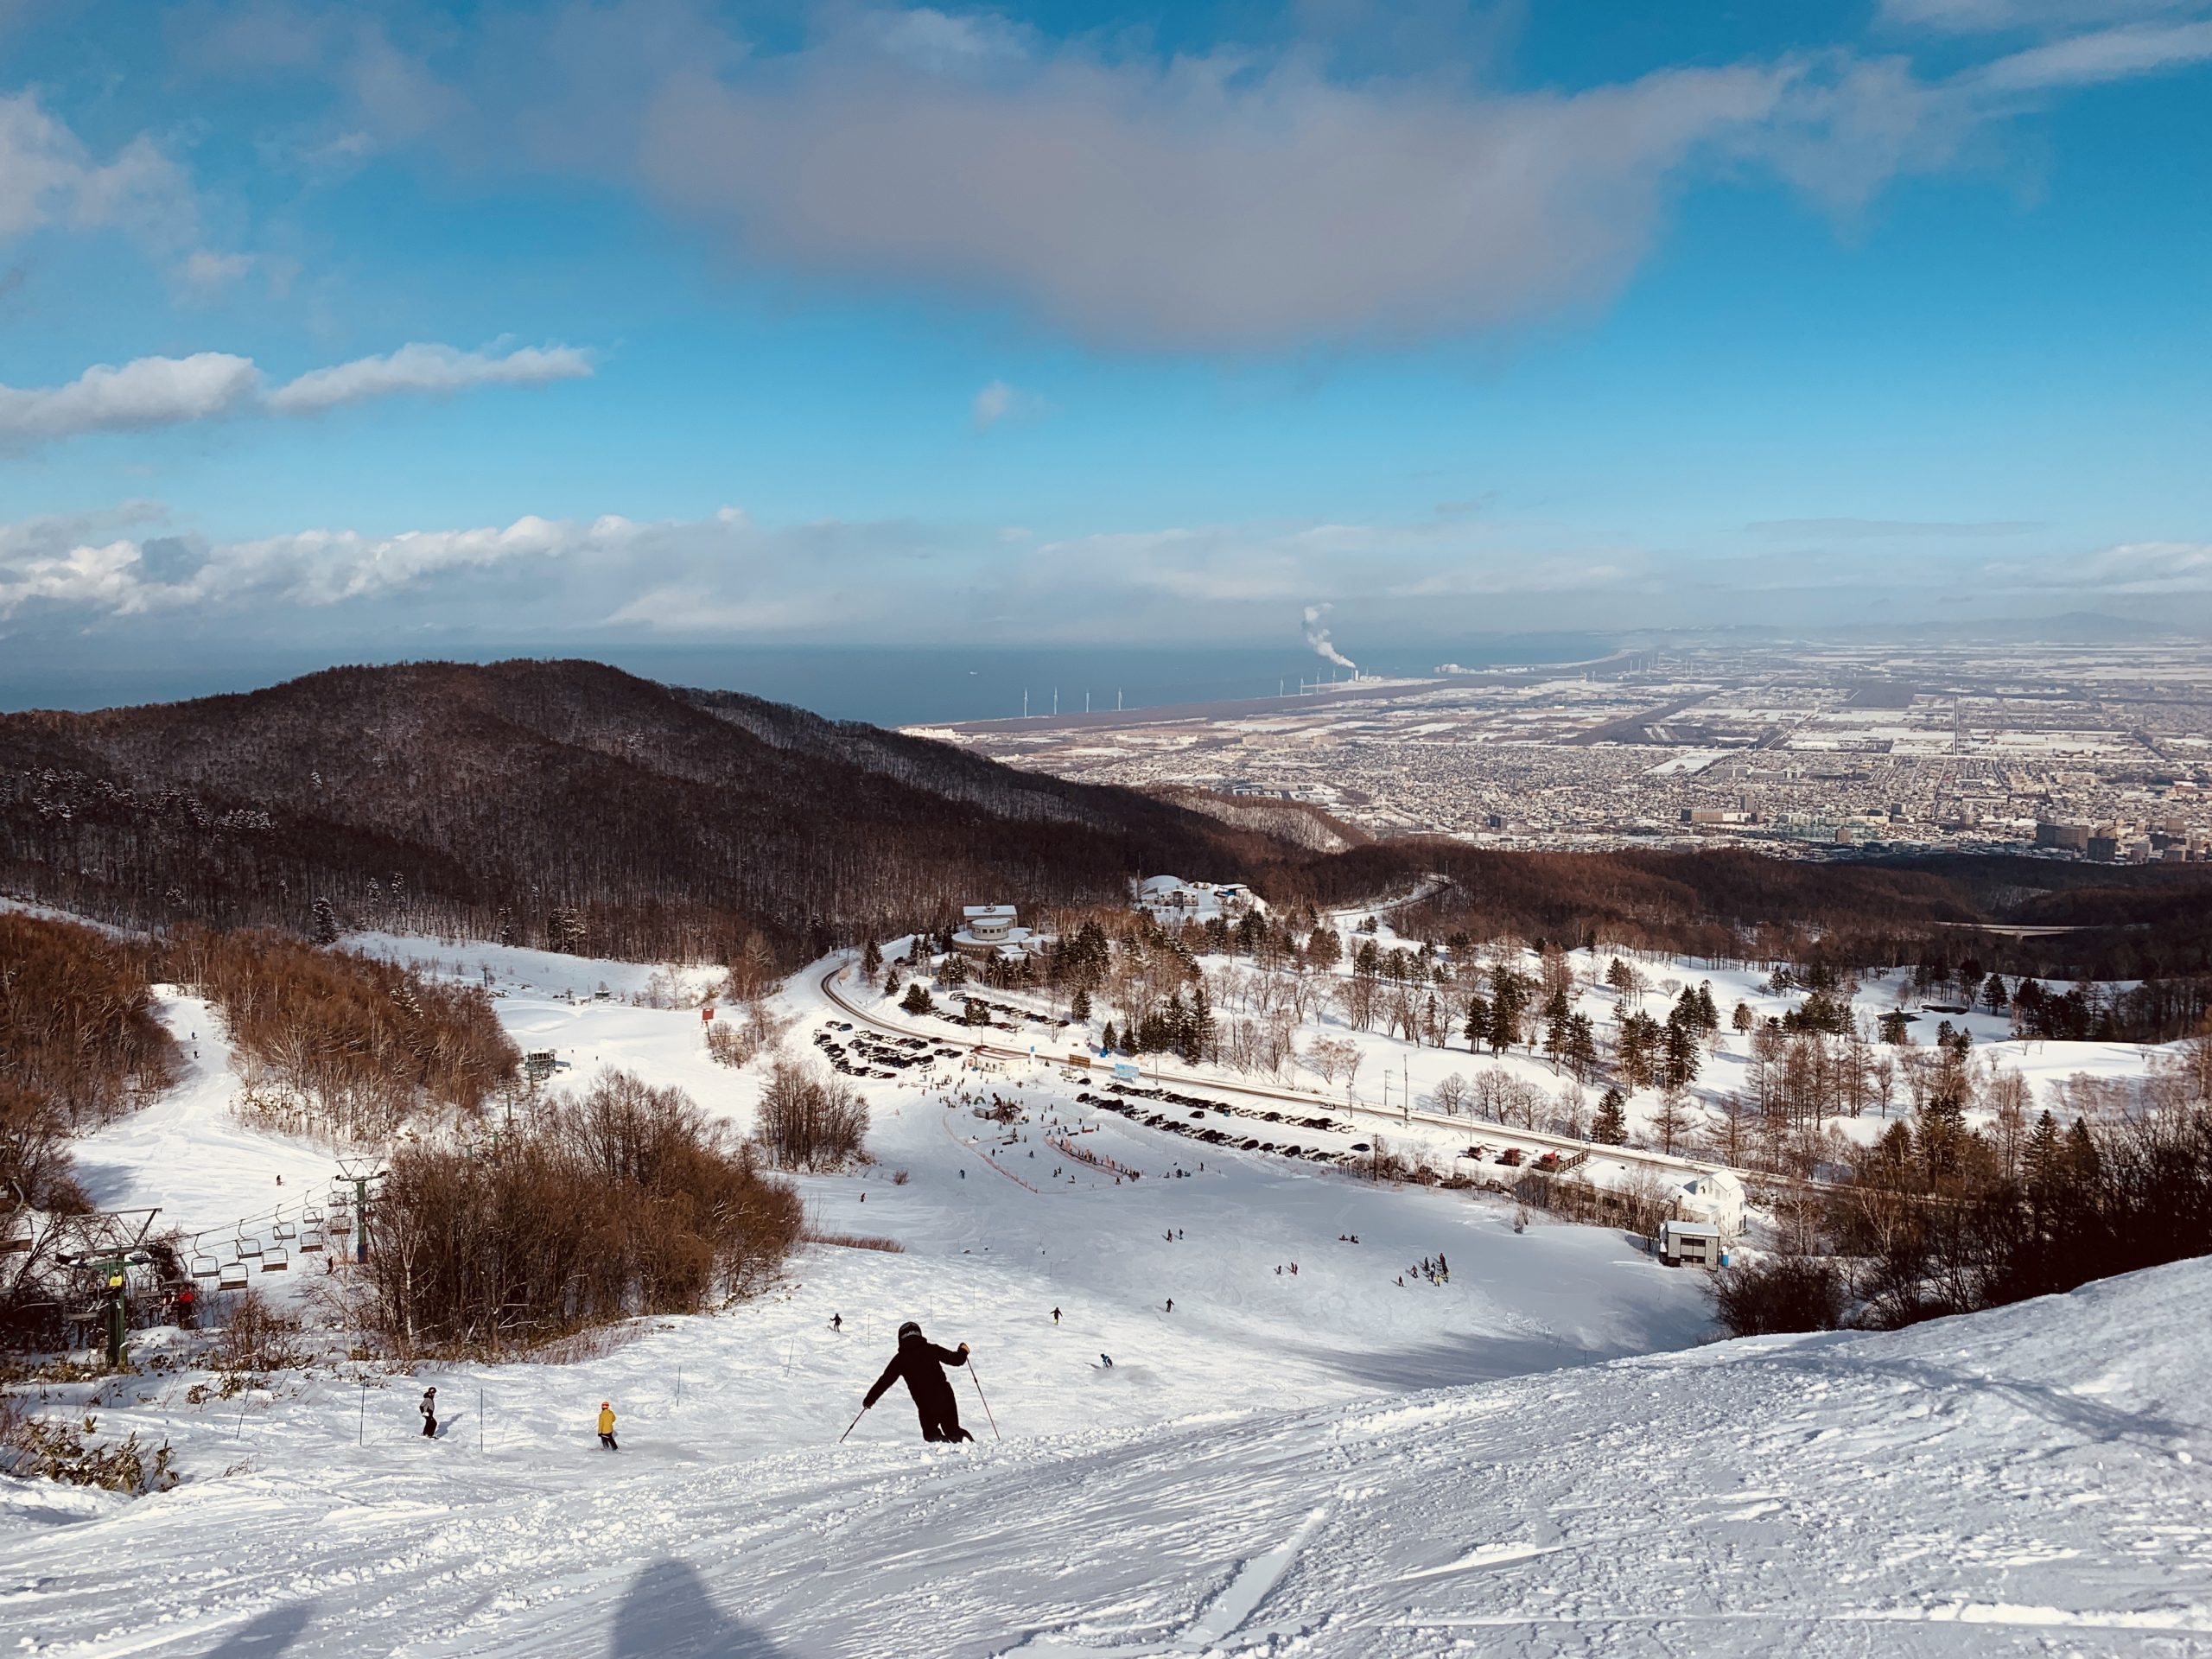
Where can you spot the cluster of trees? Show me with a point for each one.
(624, 1200)
(78, 1046)
(339, 1044)
(809, 1121)
(1948, 1219)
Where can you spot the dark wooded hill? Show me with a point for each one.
(554, 803)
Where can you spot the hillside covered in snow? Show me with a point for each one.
(1208, 1419)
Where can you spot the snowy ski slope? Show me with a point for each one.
(1535, 1459)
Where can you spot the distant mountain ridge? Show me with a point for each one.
(553, 803)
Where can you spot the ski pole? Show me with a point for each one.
(986, 1399)
(855, 1424)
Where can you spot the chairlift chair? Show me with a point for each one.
(285, 1229)
(312, 1215)
(249, 1244)
(205, 1267)
(310, 1241)
(233, 1277)
(275, 1259)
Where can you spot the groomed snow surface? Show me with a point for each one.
(1535, 1459)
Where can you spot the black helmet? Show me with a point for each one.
(909, 1329)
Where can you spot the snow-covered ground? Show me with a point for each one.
(1260, 1469)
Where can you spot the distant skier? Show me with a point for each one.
(606, 1426)
(1171, 1304)
(1056, 1316)
(430, 1410)
(921, 1362)
(836, 1321)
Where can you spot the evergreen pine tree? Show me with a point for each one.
(1609, 1127)
(1477, 1027)
(326, 923)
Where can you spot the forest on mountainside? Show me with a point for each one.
(564, 804)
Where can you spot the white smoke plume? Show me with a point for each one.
(1318, 637)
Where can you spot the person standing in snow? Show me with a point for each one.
(1056, 1316)
(921, 1362)
(836, 1321)
(430, 1410)
(606, 1425)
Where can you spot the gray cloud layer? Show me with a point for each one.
(1236, 200)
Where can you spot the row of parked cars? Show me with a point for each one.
(873, 1055)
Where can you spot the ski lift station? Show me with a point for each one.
(1691, 1245)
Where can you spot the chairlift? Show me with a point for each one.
(205, 1267)
(284, 1230)
(275, 1260)
(233, 1277)
(310, 1241)
(312, 1215)
(248, 1245)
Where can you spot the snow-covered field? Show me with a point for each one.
(1535, 1458)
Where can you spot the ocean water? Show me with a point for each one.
(888, 686)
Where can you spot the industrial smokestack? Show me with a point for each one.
(1318, 637)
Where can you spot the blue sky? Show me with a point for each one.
(387, 328)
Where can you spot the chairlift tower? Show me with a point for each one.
(109, 1244)
(362, 1172)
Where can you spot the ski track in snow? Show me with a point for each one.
(1259, 1472)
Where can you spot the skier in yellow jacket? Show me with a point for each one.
(606, 1426)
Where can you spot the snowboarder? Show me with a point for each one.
(921, 1362)
(430, 1410)
(606, 1425)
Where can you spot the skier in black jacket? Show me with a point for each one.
(921, 1362)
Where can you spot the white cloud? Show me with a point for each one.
(2131, 567)
(427, 368)
(147, 392)
(1000, 402)
(2104, 56)
(312, 568)
(728, 577)
(154, 392)
(49, 177)
(2004, 16)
